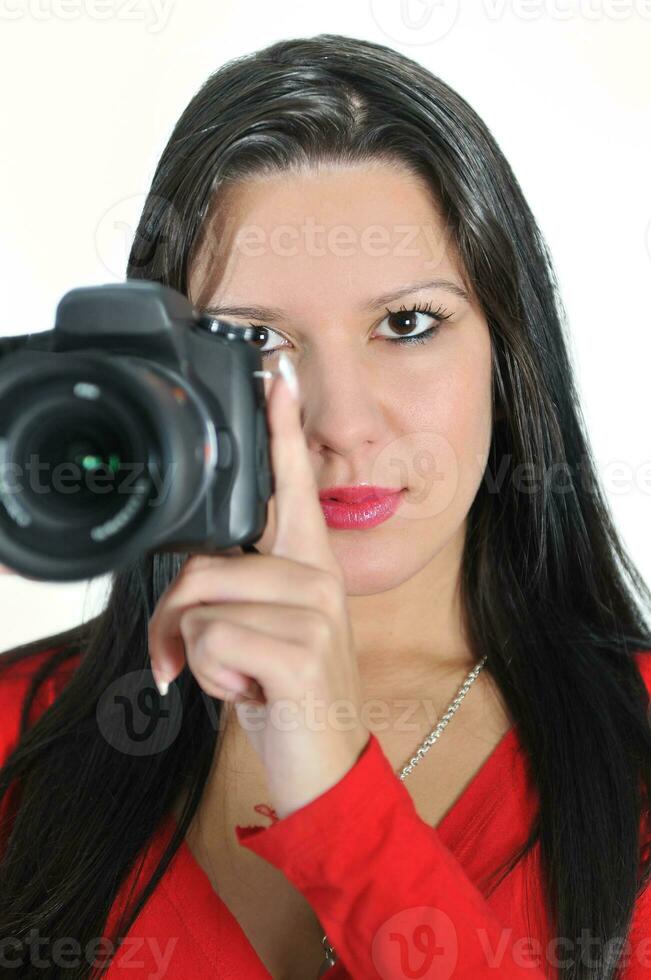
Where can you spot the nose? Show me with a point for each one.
(341, 402)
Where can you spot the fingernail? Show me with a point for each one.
(286, 368)
(163, 686)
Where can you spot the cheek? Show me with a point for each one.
(468, 426)
(449, 430)
(466, 420)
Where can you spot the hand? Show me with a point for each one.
(278, 624)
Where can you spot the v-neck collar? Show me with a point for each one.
(188, 887)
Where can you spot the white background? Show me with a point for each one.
(92, 88)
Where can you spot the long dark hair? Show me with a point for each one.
(550, 593)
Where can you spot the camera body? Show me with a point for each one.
(133, 425)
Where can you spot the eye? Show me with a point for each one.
(405, 319)
(267, 332)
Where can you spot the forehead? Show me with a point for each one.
(336, 233)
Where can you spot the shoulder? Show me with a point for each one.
(16, 677)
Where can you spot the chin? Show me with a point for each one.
(374, 569)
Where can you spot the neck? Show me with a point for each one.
(416, 631)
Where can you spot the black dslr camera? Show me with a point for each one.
(134, 425)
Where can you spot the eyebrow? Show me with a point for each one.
(273, 313)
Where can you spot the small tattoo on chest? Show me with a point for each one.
(267, 811)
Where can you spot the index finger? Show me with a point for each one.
(301, 529)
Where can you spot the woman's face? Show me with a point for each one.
(319, 251)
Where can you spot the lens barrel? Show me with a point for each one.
(99, 455)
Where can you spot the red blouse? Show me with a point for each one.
(397, 897)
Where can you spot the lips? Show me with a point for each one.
(365, 511)
(358, 494)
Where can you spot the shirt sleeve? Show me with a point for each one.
(391, 897)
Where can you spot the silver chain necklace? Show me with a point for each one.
(423, 749)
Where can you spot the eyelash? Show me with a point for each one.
(439, 315)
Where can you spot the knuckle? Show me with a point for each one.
(195, 563)
(187, 622)
(325, 592)
(318, 629)
(216, 632)
(195, 626)
(290, 673)
(309, 670)
(198, 562)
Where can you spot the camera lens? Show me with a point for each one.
(79, 462)
(100, 457)
(84, 461)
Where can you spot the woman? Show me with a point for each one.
(337, 194)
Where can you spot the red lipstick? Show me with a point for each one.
(347, 508)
